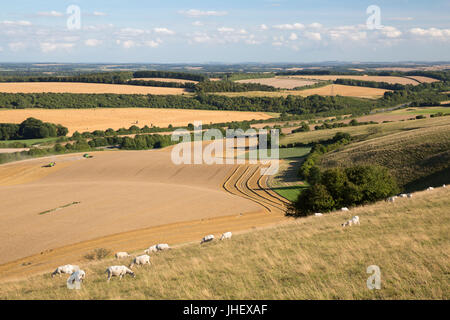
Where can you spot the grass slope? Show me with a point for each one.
(410, 155)
(310, 258)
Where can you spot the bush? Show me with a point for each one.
(98, 254)
(337, 188)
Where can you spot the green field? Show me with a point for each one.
(291, 193)
(309, 258)
(28, 142)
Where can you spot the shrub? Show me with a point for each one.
(314, 199)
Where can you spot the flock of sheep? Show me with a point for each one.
(78, 275)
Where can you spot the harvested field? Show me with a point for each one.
(423, 79)
(388, 79)
(166, 80)
(68, 87)
(82, 120)
(126, 200)
(330, 90)
(281, 82)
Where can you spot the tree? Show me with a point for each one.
(311, 200)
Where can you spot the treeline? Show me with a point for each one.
(104, 77)
(372, 84)
(352, 123)
(171, 74)
(230, 86)
(292, 104)
(31, 128)
(154, 83)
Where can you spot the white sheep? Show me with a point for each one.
(162, 246)
(207, 238)
(77, 276)
(345, 209)
(140, 260)
(68, 268)
(444, 186)
(352, 221)
(391, 199)
(118, 271)
(226, 235)
(151, 249)
(410, 195)
(430, 189)
(121, 255)
(318, 214)
(403, 195)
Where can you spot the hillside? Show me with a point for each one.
(417, 157)
(310, 258)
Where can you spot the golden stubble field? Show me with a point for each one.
(414, 80)
(75, 87)
(281, 82)
(82, 120)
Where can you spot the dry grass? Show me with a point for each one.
(388, 79)
(281, 82)
(67, 87)
(166, 80)
(330, 90)
(82, 120)
(378, 130)
(411, 155)
(311, 258)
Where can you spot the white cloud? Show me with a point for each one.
(197, 24)
(293, 37)
(194, 13)
(52, 46)
(295, 26)
(92, 42)
(50, 14)
(443, 34)
(313, 36)
(16, 23)
(16, 46)
(152, 43)
(263, 27)
(131, 32)
(99, 14)
(391, 32)
(315, 25)
(127, 44)
(353, 33)
(164, 31)
(225, 30)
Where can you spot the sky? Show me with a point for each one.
(232, 31)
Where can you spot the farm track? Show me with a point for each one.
(246, 181)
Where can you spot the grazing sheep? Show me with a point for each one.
(141, 260)
(68, 268)
(77, 276)
(162, 246)
(226, 235)
(318, 214)
(391, 199)
(430, 189)
(345, 209)
(410, 195)
(352, 221)
(151, 249)
(403, 195)
(207, 238)
(118, 271)
(444, 186)
(121, 255)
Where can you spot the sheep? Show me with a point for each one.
(410, 195)
(68, 268)
(345, 209)
(121, 255)
(77, 276)
(141, 260)
(226, 235)
(430, 189)
(119, 271)
(318, 214)
(207, 238)
(444, 186)
(391, 199)
(352, 221)
(403, 195)
(151, 249)
(162, 246)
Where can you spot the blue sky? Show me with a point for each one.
(223, 31)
